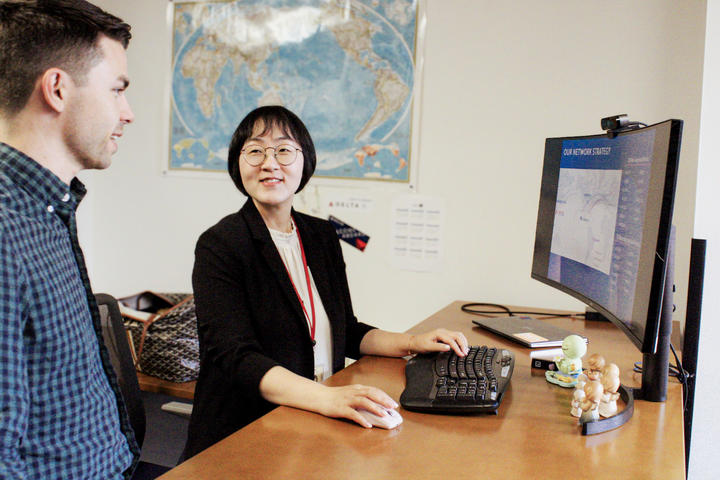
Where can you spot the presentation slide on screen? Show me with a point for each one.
(599, 215)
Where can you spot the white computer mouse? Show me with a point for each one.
(389, 421)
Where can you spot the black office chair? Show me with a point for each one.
(121, 358)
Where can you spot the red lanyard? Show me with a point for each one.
(310, 320)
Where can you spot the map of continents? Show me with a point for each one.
(344, 66)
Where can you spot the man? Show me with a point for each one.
(63, 74)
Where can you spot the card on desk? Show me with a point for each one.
(525, 330)
(544, 359)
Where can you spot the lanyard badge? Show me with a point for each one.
(310, 319)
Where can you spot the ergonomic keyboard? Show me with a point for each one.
(447, 383)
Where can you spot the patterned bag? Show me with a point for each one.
(163, 334)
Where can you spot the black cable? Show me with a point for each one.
(681, 374)
(467, 308)
(676, 371)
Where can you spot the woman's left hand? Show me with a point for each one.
(439, 340)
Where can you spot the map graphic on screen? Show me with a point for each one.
(586, 216)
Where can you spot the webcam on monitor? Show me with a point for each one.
(618, 123)
(614, 122)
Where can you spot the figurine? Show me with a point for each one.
(578, 397)
(610, 383)
(596, 363)
(593, 393)
(570, 364)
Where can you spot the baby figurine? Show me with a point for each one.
(596, 363)
(593, 394)
(610, 383)
(578, 397)
(569, 365)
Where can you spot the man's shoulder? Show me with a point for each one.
(15, 205)
(12, 221)
(8, 200)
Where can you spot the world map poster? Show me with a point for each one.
(345, 67)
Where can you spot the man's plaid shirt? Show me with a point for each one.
(61, 413)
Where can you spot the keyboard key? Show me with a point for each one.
(441, 364)
(452, 366)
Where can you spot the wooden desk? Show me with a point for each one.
(533, 436)
(184, 390)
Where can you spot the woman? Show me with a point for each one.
(272, 297)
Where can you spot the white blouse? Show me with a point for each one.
(289, 248)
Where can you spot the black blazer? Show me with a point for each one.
(250, 319)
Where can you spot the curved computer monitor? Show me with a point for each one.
(604, 221)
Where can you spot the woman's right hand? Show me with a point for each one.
(344, 402)
(282, 387)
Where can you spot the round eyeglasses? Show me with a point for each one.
(255, 155)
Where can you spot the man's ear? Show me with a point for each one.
(55, 85)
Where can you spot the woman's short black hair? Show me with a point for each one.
(272, 116)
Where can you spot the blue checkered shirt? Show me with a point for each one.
(61, 412)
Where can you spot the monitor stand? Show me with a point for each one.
(655, 365)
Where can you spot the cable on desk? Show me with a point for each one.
(468, 309)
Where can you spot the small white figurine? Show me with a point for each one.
(610, 383)
(596, 363)
(593, 393)
(578, 397)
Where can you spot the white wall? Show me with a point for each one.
(704, 462)
(501, 75)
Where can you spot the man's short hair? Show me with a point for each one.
(36, 35)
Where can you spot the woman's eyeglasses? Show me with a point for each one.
(255, 155)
